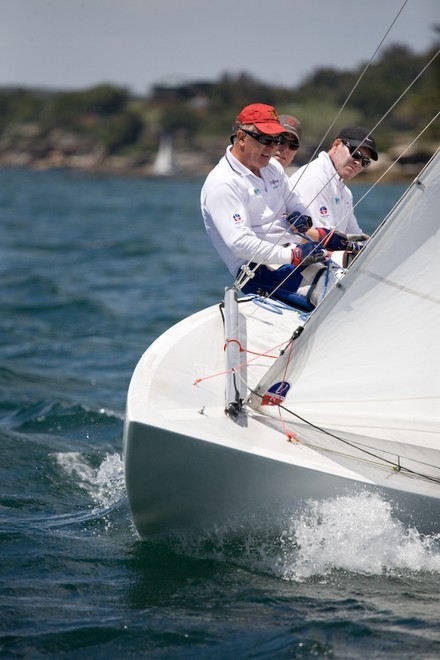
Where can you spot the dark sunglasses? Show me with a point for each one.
(356, 154)
(265, 139)
(290, 144)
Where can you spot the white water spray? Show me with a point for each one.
(355, 533)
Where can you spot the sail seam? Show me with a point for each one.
(402, 287)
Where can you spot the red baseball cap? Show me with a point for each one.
(262, 116)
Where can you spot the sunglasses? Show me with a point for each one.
(265, 139)
(356, 154)
(289, 144)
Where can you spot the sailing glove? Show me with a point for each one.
(309, 253)
(332, 240)
(299, 222)
(354, 246)
(353, 249)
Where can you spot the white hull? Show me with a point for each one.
(190, 467)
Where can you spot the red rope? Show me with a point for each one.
(290, 435)
(243, 364)
(245, 350)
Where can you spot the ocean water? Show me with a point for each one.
(92, 269)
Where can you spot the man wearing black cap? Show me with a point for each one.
(321, 183)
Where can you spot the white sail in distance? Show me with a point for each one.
(164, 164)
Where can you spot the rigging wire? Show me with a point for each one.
(390, 167)
(399, 467)
(240, 280)
(394, 464)
(293, 436)
(368, 452)
(355, 86)
(244, 276)
(406, 90)
(378, 124)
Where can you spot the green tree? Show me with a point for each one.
(104, 100)
(121, 130)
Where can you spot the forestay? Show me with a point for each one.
(368, 359)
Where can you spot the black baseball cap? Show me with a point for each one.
(359, 136)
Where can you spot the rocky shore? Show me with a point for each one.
(70, 154)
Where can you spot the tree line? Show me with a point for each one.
(110, 120)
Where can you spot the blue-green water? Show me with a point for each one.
(91, 271)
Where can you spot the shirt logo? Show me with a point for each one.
(274, 183)
(337, 200)
(323, 210)
(236, 218)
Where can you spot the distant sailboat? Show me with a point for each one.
(163, 164)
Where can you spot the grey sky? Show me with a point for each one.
(73, 44)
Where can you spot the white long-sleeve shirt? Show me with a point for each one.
(327, 199)
(243, 213)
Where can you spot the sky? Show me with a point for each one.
(75, 44)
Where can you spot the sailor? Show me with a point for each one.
(286, 152)
(321, 184)
(253, 218)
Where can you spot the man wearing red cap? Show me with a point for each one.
(246, 203)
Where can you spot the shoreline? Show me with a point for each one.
(398, 174)
(398, 164)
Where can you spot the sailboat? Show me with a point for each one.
(163, 164)
(243, 412)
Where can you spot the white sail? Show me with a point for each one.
(369, 358)
(163, 164)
